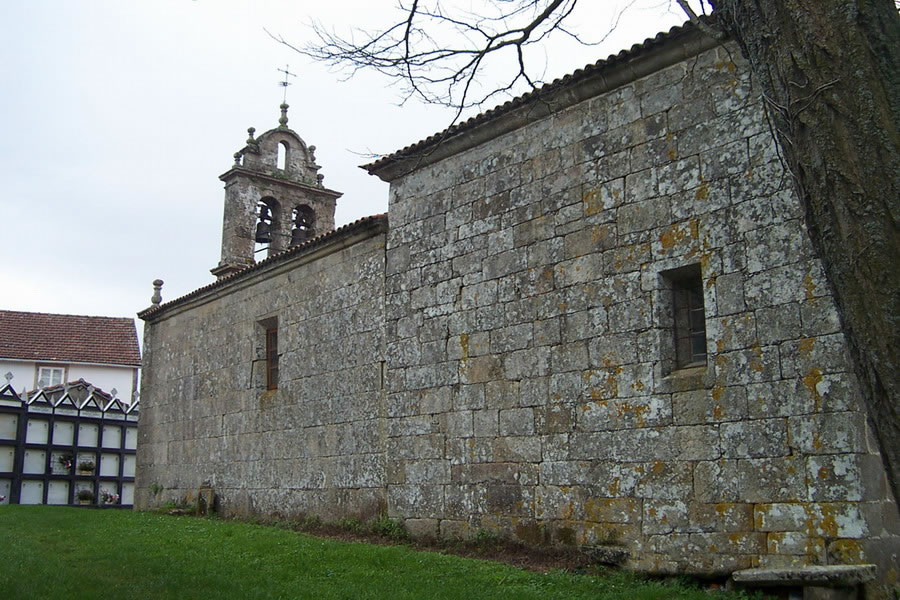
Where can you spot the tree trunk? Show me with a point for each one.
(830, 73)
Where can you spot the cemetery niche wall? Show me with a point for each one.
(69, 444)
(591, 316)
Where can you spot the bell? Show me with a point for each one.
(263, 233)
(298, 236)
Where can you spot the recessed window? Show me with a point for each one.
(272, 358)
(683, 319)
(49, 376)
(690, 322)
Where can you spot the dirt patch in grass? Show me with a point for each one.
(486, 546)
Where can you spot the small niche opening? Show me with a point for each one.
(281, 161)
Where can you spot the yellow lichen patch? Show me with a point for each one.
(726, 65)
(848, 551)
(672, 154)
(810, 286)
(806, 345)
(821, 520)
(824, 473)
(756, 363)
(464, 344)
(695, 229)
(718, 411)
(614, 487)
(717, 392)
(811, 382)
(658, 467)
(593, 201)
(817, 441)
(651, 512)
(702, 192)
(720, 345)
(722, 508)
(814, 546)
(640, 410)
(675, 234)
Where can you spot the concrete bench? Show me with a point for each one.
(827, 582)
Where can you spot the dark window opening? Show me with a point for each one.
(690, 320)
(272, 358)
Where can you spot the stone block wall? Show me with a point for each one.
(531, 382)
(503, 357)
(314, 445)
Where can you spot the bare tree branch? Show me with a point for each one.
(437, 54)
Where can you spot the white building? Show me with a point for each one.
(42, 350)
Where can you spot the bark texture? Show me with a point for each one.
(830, 73)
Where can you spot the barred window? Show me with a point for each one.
(690, 321)
(272, 358)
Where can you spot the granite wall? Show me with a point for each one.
(532, 386)
(502, 357)
(315, 444)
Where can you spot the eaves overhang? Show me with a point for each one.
(663, 50)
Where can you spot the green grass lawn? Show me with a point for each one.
(71, 553)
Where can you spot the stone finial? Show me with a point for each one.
(237, 158)
(312, 153)
(252, 143)
(113, 393)
(156, 298)
(283, 121)
(319, 179)
(9, 376)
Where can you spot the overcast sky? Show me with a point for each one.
(118, 117)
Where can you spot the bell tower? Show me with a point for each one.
(274, 197)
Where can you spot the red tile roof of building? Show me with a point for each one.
(68, 338)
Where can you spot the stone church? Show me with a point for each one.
(591, 316)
